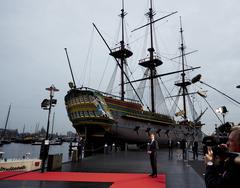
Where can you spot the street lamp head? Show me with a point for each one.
(54, 102)
(238, 86)
(196, 78)
(222, 110)
(45, 103)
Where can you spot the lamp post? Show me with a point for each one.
(47, 104)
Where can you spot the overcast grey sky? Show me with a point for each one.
(34, 33)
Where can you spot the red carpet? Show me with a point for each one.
(119, 180)
(4, 175)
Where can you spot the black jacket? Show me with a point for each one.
(153, 146)
(228, 178)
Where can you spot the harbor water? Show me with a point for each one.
(19, 151)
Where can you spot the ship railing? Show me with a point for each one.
(109, 95)
(157, 115)
(148, 59)
(118, 48)
(180, 81)
(146, 114)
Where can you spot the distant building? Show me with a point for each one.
(71, 134)
(42, 131)
(9, 133)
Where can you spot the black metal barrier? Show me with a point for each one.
(54, 162)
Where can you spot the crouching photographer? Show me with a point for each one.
(223, 161)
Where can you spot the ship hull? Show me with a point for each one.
(105, 119)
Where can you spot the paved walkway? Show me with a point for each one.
(180, 174)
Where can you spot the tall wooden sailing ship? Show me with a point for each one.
(101, 117)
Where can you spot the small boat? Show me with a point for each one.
(24, 164)
(6, 141)
(56, 141)
(37, 143)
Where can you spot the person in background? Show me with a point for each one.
(195, 150)
(178, 151)
(228, 173)
(152, 151)
(80, 147)
(70, 149)
(183, 147)
(170, 148)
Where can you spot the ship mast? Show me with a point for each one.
(122, 47)
(122, 52)
(182, 48)
(151, 51)
(74, 83)
(183, 83)
(153, 61)
(6, 123)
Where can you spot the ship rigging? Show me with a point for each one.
(97, 114)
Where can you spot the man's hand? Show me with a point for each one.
(149, 152)
(209, 156)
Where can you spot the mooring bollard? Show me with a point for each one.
(126, 146)
(75, 155)
(113, 147)
(83, 153)
(105, 149)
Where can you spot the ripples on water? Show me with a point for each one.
(17, 151)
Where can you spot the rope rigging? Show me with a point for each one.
(117, 62)
(175, 104)
(129, 91)
(161, 106)
(104, 72)
(192, 108)
(84, 70)
(112, 80)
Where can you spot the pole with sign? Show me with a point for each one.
(47, 104)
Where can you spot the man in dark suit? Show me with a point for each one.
(152, 151)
